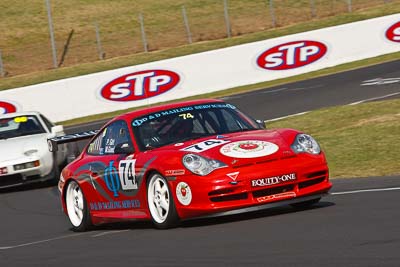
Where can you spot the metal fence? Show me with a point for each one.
(39, 35)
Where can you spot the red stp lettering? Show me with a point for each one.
(393, 33)
(140, 85)
(291, 55)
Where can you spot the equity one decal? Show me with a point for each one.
(393, 33)
(291, 55)
(140, 85)
(273, 180)
(7, 107)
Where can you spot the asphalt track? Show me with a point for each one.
(357, 225)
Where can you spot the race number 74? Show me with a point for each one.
(127, 174)
(186, 116)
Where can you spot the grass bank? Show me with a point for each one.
(359, 141)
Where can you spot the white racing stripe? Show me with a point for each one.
(110, 232)
(374, 98)
(365, 191)
(41, 241)
(288, 116)
(351, 104)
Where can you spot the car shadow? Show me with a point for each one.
(287, 209)
(27, 187)
(203, 222)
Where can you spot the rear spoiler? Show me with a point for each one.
(55, 141)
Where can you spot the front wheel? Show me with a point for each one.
(77, 209)
(161, 203)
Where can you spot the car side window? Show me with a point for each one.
(110, 141)
(49, 125)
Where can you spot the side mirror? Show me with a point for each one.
(124, 148)
(57, 130)
(261, 124)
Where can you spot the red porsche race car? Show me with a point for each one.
(188, 160)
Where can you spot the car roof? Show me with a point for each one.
(21, 113)
(158, 108)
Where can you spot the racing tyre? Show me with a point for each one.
(305, 204)
(77, 209)
(161, 203)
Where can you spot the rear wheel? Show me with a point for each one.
(161, 203)
(306, 204)
(77, 209)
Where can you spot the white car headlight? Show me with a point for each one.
(304, 143)
(201, 165)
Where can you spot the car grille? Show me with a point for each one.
(232, 197)
(314, 178)
(311, 182)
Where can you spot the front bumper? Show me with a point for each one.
(218, 194)
(25, 176)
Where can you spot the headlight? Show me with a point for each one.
(304, 143)
(201, 165)
(27, 165)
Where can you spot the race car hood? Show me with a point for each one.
(14, 148)
(238, 148)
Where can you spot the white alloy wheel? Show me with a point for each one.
(158, 198)
(75, 204)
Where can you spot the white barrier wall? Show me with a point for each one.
(206, 72)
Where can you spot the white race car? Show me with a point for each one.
(24, 154)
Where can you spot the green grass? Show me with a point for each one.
(359, 141)
(26, 49)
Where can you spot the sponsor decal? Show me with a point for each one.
(7, 107)
(273, 180)
(124, 178)
(140, 85)
(139, 121)
(205, 145)
(277, 196)
(292, 55)
(174, 172)
(110, 205)
(249, 149)
(393, 33)
(111, 178)
(183, 193)
(233, 175)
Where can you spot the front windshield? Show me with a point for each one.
(190, 122)
(20, 126)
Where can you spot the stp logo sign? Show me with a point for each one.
(140, 85)
(291, 55)
(7, 107)
(393, 33)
